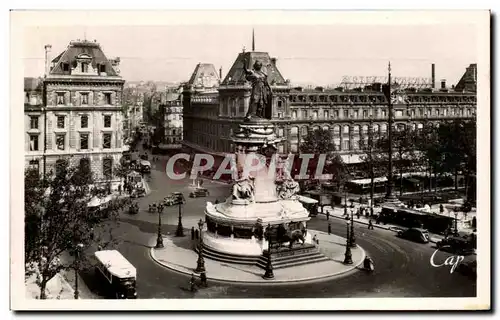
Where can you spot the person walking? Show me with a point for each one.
(327, 215)
(120, 188)
(192, 233)
(329, 228)
(370, 224)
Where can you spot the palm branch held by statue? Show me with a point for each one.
(261, 96)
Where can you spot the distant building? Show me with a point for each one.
(172, 112)
(80, 116)
(212, 113)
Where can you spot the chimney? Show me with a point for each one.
(443, 84)
(220, 73)
(273, 60)
(47, 47)
(433, 75)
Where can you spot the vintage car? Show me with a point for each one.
(199, 193)
(174, 198)
(145, 166)
(415, 234)
(456, 244)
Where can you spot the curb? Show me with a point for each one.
(262, 281)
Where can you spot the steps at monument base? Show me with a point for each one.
(292, 258)
(228, 257)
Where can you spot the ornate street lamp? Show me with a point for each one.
(200, 266)
(269, 267)
(180, 230)
(348, 255)
(78, 249)
(352, 237)
(159, 238)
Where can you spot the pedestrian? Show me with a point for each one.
(216, 201)
(120, 189)
(329, 228)
(196, 234)
(370, 225)
(203, 278)
(192, 233)
(327, 215)
(315, 239)
(92, 233)
(358, 213)
(192, 283)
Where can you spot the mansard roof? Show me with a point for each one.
(237, 75)
(204, 75)
(83, 49)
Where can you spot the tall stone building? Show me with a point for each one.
(210, 116)
(81, 112)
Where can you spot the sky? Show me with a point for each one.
(306, 54)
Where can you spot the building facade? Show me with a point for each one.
(211, 116)
(173, 118)
(81, 117)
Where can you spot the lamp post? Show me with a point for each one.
(352, 237)
(200, 266)
(180, 230)
(78, 249)
(348, 255)
(456, 225)
(269, 267)
(159, 238)
(390, 183)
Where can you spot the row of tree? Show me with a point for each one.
(441, 149)
(58, 219)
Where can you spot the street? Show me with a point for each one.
(402, 267)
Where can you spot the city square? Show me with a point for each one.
(238, 182)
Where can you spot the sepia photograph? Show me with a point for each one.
(250, 160)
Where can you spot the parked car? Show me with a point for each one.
(199, 192)
(145, 166)
(458, 245)
(415, 234)
(174, 198)
(468, 268)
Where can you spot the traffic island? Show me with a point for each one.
(178, 254)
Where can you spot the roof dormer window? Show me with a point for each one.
(85, 67)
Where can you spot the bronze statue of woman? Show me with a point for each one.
(261, 98)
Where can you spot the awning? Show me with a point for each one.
(307, 200)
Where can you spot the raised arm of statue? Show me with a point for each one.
(245, 62)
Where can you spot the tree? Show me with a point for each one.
(58, 218)
(373, 159)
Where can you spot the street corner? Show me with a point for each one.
(178, 255)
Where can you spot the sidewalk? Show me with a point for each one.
(338, 213)
(178, 255)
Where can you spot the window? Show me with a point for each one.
(60, 141)
(315, 115)
(365, 113)
(65, 67)
(84, 121)
(34, 165)
(107, 97)
(346, 114)
(365, 129)
(84, 165)
(303, 131)
(304, 114)
(84, 98)
(102, 68)
(60, 122)
(61, 166)
(84, 141)
(421, 112)
(280, 103)
(85, 67)
(345, 130)
(280, 132)
(346, 145)
(280, 115)
(384, 113)
(356, 114)
(60, 98)
(356, 130)
(325, 114)
(336, 114)
(106, 141)
(107, 121)
(336, 130)
(399, 113)
(444, 112)
(107, 168)
(34, 122)
(294, 114)
(34, 142)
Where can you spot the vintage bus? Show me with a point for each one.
(117, 273)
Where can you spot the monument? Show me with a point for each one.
(263, 200)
